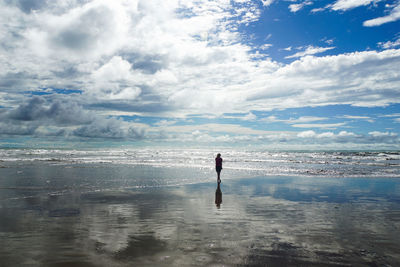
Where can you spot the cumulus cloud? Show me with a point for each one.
(360, 78)
(209, 133)
(10, 129)
(38, 109)
(94, 29)
(180, 58)
(349, 137)
(307, 134)
(138, 51)
(45, 116)
(109, 129)
(114, 80)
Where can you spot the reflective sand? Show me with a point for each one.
(91, 219)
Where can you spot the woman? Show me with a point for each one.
(218, 166)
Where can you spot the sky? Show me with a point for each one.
(278, 74)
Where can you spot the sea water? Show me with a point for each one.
(321, 163)
(63, 170)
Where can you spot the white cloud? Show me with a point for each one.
(391, 115)
(326, 135)
(394, 15)
(346, 134)
(296, 7)
(350, 4)
(310, 50)
(294, 121)
(91, 30)
(245, 117)
(267, 2)
(366, 118)
(164, 123)
(249, 117)
(316, 10)
(382, 134)
(306, 119)
(390, 44)
(183, 74)
(345, 5)
(265, 46)
(361, 78)
(348, 137)
(307, 134)
(327, 41)
(114, 80)
(319, 125)
(355, 117)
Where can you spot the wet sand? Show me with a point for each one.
(262, 221)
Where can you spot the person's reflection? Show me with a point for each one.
(218, 196)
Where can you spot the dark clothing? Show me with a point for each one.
(218, 166)
(218, 162)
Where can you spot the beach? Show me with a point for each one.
(54, 213)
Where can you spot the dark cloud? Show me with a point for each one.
(28, 6)
(15, 80)
(143, 106)
(386, 137)
(59, 112)
(86, 31)
(108, 128)
(17, 129)
(75, 39)
(29, 111)
(149, 64)
(67, 72)
(56, 116)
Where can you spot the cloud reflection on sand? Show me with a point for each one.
(268, 220)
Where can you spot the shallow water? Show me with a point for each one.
(248, 163)
(103, 214)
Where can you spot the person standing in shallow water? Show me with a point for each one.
(218, 166)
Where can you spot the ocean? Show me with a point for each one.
(321, 163)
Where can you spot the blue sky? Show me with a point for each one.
(343, 30)
(266, 74)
